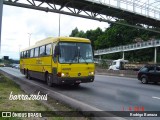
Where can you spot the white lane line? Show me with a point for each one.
(156, 98)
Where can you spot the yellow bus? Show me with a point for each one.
(61, 60)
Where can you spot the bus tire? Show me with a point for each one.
(29, 76)
(49, 80)
(26, 73)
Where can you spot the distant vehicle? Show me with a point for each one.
(12, 65)
(17, 66)
(2, 65)
(122, 64)
(62, 60)
(118, 64)
(149, 73)
(133, 66)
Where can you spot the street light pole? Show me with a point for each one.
(1, 12)
(59, 25)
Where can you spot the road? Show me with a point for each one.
(109, 93)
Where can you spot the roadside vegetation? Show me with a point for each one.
(117, 35)
(103, 64)
(7, 85)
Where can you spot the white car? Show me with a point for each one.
(17, 66)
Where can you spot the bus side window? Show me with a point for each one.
(28, 53)
(42, 51)
(53, 50)
(48, 49)
(32, 53)
(24, 54)
(36, 52)
(21, 55)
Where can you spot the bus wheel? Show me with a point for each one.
(29, 76)
(49, 81)
(26, 74)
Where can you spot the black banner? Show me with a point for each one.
(39, 114)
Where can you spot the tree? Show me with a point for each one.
(74, 32)
(116, 35)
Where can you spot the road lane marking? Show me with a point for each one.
(156, 97)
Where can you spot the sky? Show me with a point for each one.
(18, 23)
(21, 24)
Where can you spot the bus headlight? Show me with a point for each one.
(62, 74)
(65, 74)
(91, 73)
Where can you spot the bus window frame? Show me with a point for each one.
(25, 55)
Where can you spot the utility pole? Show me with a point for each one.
(123, 55)
(155, 55)
(1, 12)
(59, 25)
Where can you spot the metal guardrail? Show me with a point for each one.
(135, 6)
(130, 47)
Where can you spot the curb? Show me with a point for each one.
(118, 75)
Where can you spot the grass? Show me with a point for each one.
(7, 86)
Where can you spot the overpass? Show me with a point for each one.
(130, 47)
(102, 10)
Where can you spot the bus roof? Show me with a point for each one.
(57, 39)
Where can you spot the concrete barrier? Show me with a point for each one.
(125, 73)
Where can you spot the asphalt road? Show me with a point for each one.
(109, 93)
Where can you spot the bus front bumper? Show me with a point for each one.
(72, 80)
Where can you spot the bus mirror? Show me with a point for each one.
(56, 51)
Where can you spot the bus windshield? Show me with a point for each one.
(75, 52)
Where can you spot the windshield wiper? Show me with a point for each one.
(83, 59)
(73, 59)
